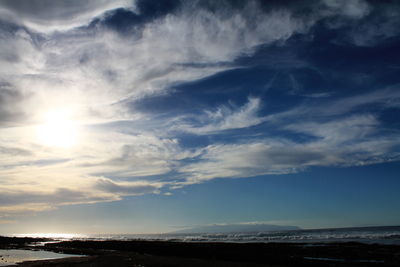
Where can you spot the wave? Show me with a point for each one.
(386, 235)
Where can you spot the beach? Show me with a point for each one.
(168, 253)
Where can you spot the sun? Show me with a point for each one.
(57, 130)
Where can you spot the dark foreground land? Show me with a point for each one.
(161, 253)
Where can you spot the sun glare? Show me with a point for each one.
(58, 130)
(51, 235)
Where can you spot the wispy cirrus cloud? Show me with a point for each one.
(224, 118)
(49, 16)
(344, 142)
(385, 98)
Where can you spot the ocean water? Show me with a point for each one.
(14, 256)
(380, 235)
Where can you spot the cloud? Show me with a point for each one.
(14, 151)
(377, 21)
(350, 141)
(44, 195)
(245, 160)
(225, 118)
(341, 130)
(10, 109)
(48, 16)
(354, 9)
(127, 188)
(140, 155)
(221, 36)
(385, 97)
(93, 71)
(6, 221)
(73, 58)
(38, 178)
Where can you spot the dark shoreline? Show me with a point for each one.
(164, 253)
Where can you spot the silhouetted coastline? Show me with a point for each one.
(167, 253)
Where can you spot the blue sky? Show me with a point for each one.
(150, 116)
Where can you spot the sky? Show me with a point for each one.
(153, 116)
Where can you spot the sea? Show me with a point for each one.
(378, 235)
(14, 256)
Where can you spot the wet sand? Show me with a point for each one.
(162, 253)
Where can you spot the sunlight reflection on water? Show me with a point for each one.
(51, 235)
(13, 256)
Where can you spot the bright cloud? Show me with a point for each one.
(49, 16)
(225, 118)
